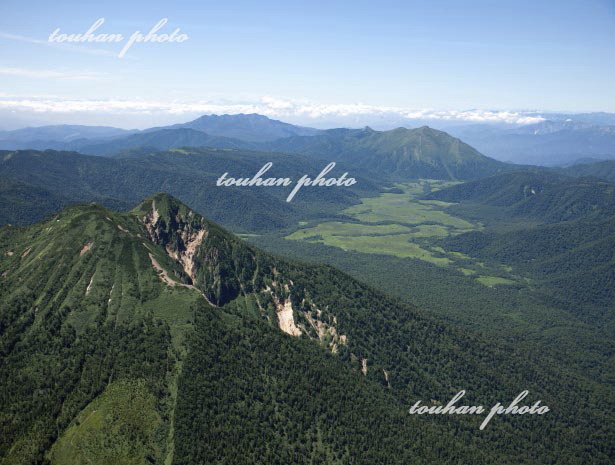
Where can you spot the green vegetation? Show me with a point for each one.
(547, 286)
(56, 179)
(400, 154)
(570, 264)
(155, 336)
(517, 313)
(399, 224)
(541, 195)
(493, 281)
(21, 203)
(601, 169)
(123, 416)
(99, 367)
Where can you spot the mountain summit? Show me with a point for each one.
(399, 153)
(248, 127)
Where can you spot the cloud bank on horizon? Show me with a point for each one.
(298, 111)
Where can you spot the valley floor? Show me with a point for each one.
(400, 224)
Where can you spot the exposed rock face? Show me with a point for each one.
(324, 328)
(85, 248)
(89, 288)
(223, 268)
(165, 278)
(185, 254)
(180, 238)
(311, 321)
(286, 320)
(386, 378)
(182, 233)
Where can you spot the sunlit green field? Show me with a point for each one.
(400, 224)
(493, 280)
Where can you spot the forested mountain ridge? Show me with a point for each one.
(128, 338)
(161, 139)
(400, 153)
(543, 195)
(554, 230)
(189, 174)
(570, 262)
(600, 169)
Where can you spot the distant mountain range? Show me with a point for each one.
(65, 133)
(600, 169)
(549, 143)
(61, 178)
(562, 139)
(160, 139)
(103, 140)
(397, 154)
(424, 151)
(252, 127)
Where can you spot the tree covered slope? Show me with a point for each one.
(542, 195)
(600, 169)
(400, 153)
(156, 336)
(190, 175)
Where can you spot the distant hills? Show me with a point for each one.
(563, 240)
(549, 143)
(399, 154)
(208, 130)
(251, 128)
(561, 140)
(600, 169)
(543, 195)
(60, 133)
(161, 139)
(189, 174)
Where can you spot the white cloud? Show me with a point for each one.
(268, 106)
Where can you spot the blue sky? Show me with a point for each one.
(309, 59)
